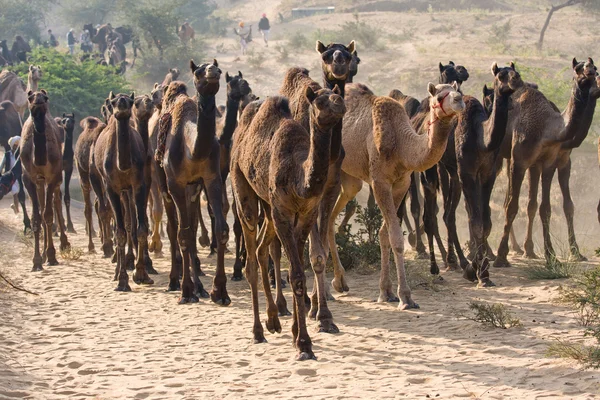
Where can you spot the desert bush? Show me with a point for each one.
(255, 58)
(361, 248)
(493, 315)
(555, 270)
(71, 253)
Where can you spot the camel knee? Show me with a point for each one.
(532, 207)
(183, 238)
(121, 237)
(298, 282)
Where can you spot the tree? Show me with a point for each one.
(22, 17)
(78, 12)
(552, 10)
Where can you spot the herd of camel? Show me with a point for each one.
(295, 161)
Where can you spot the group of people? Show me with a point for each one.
(245, 32)
(85, 39)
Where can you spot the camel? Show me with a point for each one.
(92, 127)
(66, 126)
(7, 180)
(278, 163)
(188, 150)
(186, 32)
(33, 77)
(155, 202)
(394, 150)
(19, 49)
(538, 131)
(477, 141)
(10, 123)
(12, 89)
(5, 52)
(42, 175)
(353, 69)
(171, 76)
(119, 156)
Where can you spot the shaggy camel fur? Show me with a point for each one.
(477, 141)
(12, 88)
(119, 156)
(92, 127)
(189, 154)
(279, 164)
(394, 150)
(42, 175)
(33, 78)
(538, 131)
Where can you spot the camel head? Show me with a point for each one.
(585, 73)
(174, 73)
(595, 90)
(35, 72)
(445, 100)
(353, 69)
(237, 86)
(68, 122)
(157, 94)
(327, 106)
(121, 105)
(143, 107)
(453, 73)
(336, 59)
(206, 77)
(38, 101)
(502, 79)
(488, 99)
(247, 99)
(106, 110)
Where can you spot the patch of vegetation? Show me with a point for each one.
(23, 18)
(554, 270)
(283, 52)
(255, 58)
(73, 86)
(71, 253)
(493, 315)
(26, 240)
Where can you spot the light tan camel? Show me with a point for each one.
(34, 77)
(12, 88)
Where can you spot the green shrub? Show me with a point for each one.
(494, 315)
(554, 270)
(361, 248)
(73, 86)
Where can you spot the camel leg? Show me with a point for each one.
(121, 238)
(388, 198)
(141, 266)
(21, 197)
(514, 243)
(348, 214)
(545, 213)
(275, 253)
(193, 191)
(350, 187)
(64, 242)
(512, 207)
(532, 206)
(564, 176)
(214, 192)
(486, 195)
(104, 216)
(51, 190)
(129, 215)
(67, 199)
(36, 222)
(176, 256)
(450, 220)
(286, 231)
(203, 239)
(429, 223)
(415, 210)
(155, 244)
(237, 231)
(87, 211)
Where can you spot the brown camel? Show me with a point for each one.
(67, 125)
(477, 141)
(394, 149)
(12, 88)
(10, 123)
(92, 127)
(186, 32)
(33, 78)
(276, 162)
(188, 151)
(171, 76)
(538, 131)
(42, 175)
(120, 157)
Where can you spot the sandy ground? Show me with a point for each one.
(80, 339)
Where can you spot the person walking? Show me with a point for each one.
(53, 42)
(264, 27)
(71, 41)
(10, 158)
(245, 35)
(86, 41)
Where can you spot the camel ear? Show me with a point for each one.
(574, 62)
(336, 90)
(320, 47)
(310, 94)
(590, 60)
(111, 95)
(215, 63)
(30, 67)
(44, 91)
(240, 74)
(39, 67)
(431, 88)
(29, 93)
(455, 85)
(351, 47)
(155, 85)
(132, 97)
(495, 68)
(512, 66)
(170, 69)
(451, 63)
(485, 90)
(64, 115)
(227, 77)
(441, 67)
(193, 66)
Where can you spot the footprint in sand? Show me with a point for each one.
(74, 365)
(306, 372)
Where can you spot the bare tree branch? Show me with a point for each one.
(552, 10)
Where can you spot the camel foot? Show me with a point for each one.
(218, 297)
(114, 258)
(501, 263)
(149, 267)
(123, 287)
(408, 304)
(203, 240)
(485, 284)
(51, 257)
(129, 262)
(71, 229)
(283, 310)
(213, 252)
(422, 256)
(141, 278)
(306, 355)
(327, 326)
(518, 251)
(237, 278)
(174, 285)
(64, 244)
(200, 292)
(273, 325)
(531, 255)
(312, 313)
(576, 256)
(237, 271)
(91, 250)
(339, 284)
(188, 300)
(259, 338)
(434, 269)
(388, 298)
(470, 274)
(412, 239)
(108, 253)
(37, 268)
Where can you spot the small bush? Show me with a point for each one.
(554, 270)
(71, 253)
(494, 315)
(255, 59)
(587, 356)
(283, 52)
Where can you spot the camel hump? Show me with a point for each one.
(388, 118)
(89, 123)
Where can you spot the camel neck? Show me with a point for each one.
(142, 128)
(316, 165)
(123, 144)
(585, 123)
(330, 84)
(32, 84)
(573, 114)
(205, 125)
(495, 126)
(38, 116)
(68, 148)
(231, 112)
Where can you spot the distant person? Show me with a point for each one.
(86, 41)
(245, 35)
(52, 41)
(264, 27)
(71, 41)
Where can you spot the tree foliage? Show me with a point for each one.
(73, 86)
(22, 17)
(79, 13)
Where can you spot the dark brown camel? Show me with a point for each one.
(67, 125)
(8, 179)
(279, 164)
(538, 132)
(188, 150)
(42, 175)
(156, 203)
(120, 157)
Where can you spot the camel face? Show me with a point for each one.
(502, 77)
(68, 122)
(37, 99)
(453, 73)
(174, 73)
(336, 59)
(445, 99)
(328, 106)
(122, 105)
(488, 99)
(585, 73)
(206, 77)
(237, 86)
(144, 107)
(36, 72)
(157, 94)
(6, 182)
